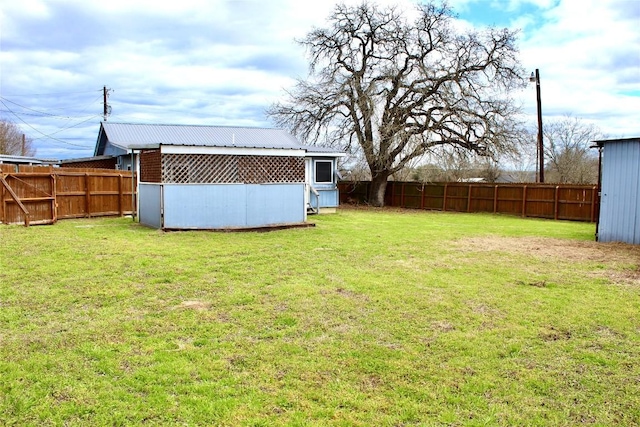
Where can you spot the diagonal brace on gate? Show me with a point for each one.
(15, 197)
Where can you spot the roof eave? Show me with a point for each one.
(139, 146)
(326, 154)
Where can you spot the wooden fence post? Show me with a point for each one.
(594, 203)
(87, 195)
(120, 194)
(556, 202)
(444, 199)
(54, 199)
(524, 201)
(495, 199)
(469, 190)
(4, 203)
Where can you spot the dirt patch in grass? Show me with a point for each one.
(617, 261)
(568, 250)
(442, 326)
(194, 305)
(552, 333)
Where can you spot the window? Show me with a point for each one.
(324, 171)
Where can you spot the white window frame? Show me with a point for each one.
(315, 170)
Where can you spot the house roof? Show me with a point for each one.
(136, 136)
(139, 136)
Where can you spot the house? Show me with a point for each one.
(619, 218)
(14, 162)
(219, 177)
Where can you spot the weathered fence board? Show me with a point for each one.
(48, 194)
(566, 202)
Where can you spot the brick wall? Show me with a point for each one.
(150, 166)
(94, 164)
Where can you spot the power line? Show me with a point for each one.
(54, 93)
(22, 114)
(69, 127)
(42, 113)
(41, 133)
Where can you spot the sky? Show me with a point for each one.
(224, 62)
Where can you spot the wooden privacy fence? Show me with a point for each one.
(566, 202)
(43, 194)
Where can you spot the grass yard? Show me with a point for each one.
(374, 317)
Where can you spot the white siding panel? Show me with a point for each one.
(149, 197)
(620, 195)
(275, 204)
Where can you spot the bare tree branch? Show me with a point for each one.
(396, 89)
(569, 158)
(13, 142)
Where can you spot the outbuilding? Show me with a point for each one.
(619, 219)
(17, 161)
(223, 177)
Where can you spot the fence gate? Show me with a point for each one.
(42, 194)
(27, 198)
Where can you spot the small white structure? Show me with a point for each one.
(220, 177)
(619, 219)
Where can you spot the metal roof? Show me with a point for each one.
(11, 159)
(139, 136)
(601, 142)
(323, 151)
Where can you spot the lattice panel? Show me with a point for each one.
(212, 169)
(260, 169)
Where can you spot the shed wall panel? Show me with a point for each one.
(620, 194)
(328, 198)
(324, 199)
(212, 206)
(150, 196)
(274, 204)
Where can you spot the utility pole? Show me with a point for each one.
(106, 110)
(24, 145)
(536, 78)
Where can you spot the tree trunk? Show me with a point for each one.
(377, 189)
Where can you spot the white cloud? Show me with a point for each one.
(587, 53)
(224, 61)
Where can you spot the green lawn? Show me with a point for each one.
(373, 317)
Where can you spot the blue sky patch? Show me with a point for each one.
(499, 13)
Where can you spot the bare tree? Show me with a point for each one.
(454, 164)
(520, 164)
(355, 168)
(569, 158)
(395, 89)
(13, 141)
(447, 165)
(488, 169)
